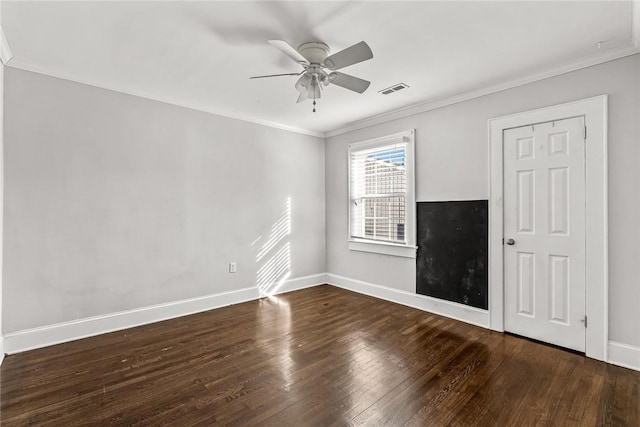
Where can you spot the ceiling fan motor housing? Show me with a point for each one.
(314, 52)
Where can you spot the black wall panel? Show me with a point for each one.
(452, 262)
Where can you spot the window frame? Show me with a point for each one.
(407, 249)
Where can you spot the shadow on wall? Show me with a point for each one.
(274, 256)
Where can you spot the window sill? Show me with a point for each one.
(383, 248)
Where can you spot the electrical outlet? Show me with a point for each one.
(232, 267)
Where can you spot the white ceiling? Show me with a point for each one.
(201, 54)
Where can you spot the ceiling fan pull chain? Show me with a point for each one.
(314, 106)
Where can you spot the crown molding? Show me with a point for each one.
(15, 63)
(432, 104)
(421, 107)
(436, 103)
(5, 50)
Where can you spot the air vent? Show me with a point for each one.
(396, 87)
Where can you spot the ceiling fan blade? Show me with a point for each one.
(288, 50)
(352, 55)
(349, 82)
(275, 75)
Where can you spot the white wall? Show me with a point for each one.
(115, 202)
(452, 164)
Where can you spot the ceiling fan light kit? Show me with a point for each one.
(320, 69)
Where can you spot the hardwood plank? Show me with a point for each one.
(320, 356)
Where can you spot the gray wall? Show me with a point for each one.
(452, 164)
(114, 202)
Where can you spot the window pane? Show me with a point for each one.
(383, 218)
(381, 183)
(378, 192)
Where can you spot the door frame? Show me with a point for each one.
(595, 113)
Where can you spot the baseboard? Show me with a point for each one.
(16, 342)
(472, 315)
(298, 283)
(619, 354)
(625, 355)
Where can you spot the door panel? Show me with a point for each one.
(526, 283)
(559, 283)
(544, 199)
(526, 201)
(559, 201)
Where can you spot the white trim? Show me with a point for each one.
(407, 249)
(5, 50)
(5, 57)
(29, 339)
(463, 313)
(625, 355)
(595, 112)
(433, 104)
(427, 105)
(383, 248)
(620, 354)
(394, 138)
(15, 63)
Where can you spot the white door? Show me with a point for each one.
(544, 232)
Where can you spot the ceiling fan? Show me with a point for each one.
(320, 68)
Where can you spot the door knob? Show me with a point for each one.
(510, 242)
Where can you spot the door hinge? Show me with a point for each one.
(585, 321)
(585, 133)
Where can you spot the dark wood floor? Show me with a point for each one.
(320, 356)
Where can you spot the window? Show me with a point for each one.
(381, 195)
